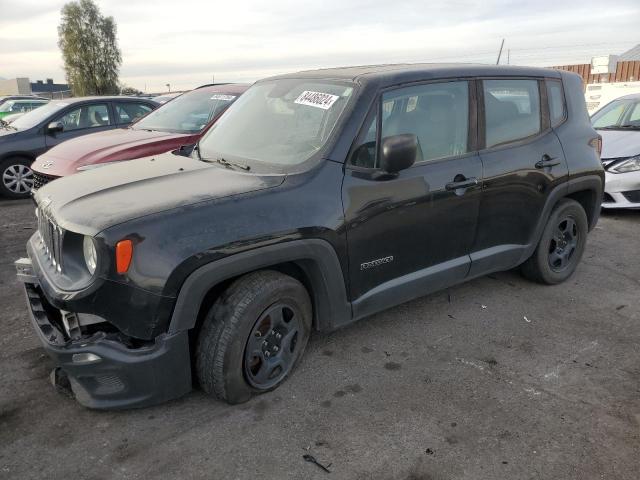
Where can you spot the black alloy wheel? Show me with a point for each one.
(271, 346)
(563, 244)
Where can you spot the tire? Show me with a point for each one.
(561, 246)
(249, 327)
(16, 177)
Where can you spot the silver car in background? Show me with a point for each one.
(619, 125)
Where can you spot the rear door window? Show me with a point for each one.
(511, 110)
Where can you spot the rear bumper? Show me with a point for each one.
(104, 373)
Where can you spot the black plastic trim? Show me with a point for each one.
(410, 286)
(123, 377)
(316, 257)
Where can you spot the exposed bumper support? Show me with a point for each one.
(103, 372)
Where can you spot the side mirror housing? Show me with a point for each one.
(398, 152)
(55, 127)
(185, 150)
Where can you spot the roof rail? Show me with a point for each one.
(212, 85)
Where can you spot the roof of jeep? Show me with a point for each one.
(407, 72)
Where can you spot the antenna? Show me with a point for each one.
(500, 52)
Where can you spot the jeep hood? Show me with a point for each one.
(94, 200)
(620, 143)
(107, 146)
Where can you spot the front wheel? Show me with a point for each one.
(561, 246)
(16, 178)
(253, 336)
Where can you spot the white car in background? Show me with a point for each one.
(597, 95)
(618, 123)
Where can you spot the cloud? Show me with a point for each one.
(185, 43)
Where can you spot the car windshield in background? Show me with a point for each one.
(188, 113)
(282, 122)
(623, 114)
(35, 117)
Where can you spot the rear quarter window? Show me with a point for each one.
(557, 106)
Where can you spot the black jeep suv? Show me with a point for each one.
(319, 198)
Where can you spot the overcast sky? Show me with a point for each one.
(186, 42)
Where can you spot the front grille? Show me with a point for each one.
(606, 198)
(40, 180)
(51, 236)
(632, 196)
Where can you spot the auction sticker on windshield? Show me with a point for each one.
(317, 99)
(219, 96)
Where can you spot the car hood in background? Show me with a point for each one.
(620, 143)
(108, 146)
(92, 201)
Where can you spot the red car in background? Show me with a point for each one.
(178, 123)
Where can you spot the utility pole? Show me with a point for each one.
(508, 56)
(500, 52)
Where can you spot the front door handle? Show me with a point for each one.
(547, 161)
(466, 183)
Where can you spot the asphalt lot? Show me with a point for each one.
(498, 378)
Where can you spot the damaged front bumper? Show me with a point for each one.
(103, 371)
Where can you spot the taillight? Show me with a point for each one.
(597, 144)
(124, 252)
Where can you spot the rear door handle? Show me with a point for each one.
(466, 183)
(547, 161)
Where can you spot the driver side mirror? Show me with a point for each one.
(398, 152)
(55, 127)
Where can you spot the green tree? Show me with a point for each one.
(89, 48)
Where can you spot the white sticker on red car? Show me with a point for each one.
(221, 96)
(316, 99)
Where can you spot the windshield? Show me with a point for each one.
(281, 122)
(7, 106)
(188, 113)
(618, 115)
(35, 117)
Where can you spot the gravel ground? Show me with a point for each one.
(498, 378)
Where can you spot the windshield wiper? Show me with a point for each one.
(225, 163)
(7, 125)
(620, 127)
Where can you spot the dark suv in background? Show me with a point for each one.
(35, 132)
(318, 198)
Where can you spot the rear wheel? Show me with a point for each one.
(16, 177)
(253, 336)
(561, 246)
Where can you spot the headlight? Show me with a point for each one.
(628, 165)
(90, 254)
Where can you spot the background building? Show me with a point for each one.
(23, 86)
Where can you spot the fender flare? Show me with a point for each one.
(595, 184)
(317, 258)
(588, 182)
